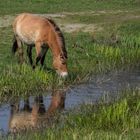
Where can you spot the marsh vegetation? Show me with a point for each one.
(101, 37)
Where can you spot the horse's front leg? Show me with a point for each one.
(27, 106)
(43, 54)
(38, 52)
(38, 108)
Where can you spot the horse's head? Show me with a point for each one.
(60, 65)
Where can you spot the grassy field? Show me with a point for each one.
(113, 45)
(101, 53)
(53, 6)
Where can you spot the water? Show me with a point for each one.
(36, 110)
(97, 87)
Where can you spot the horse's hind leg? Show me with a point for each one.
(15, 45)
(29, 53)
(20, 50)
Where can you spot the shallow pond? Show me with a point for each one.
(37, 110)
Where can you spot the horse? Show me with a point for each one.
(41, 33)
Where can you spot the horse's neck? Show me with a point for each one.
(56, 49)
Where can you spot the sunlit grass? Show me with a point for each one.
(20, 80)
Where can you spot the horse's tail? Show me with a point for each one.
(15, 45)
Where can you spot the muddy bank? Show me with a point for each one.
(71, 26)
(7, 20)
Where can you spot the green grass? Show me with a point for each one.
(23, 79)
(117, 120)
(99, 51)
(53, 6)
(115, 47)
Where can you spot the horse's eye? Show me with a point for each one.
(61, 57)
(63, 63)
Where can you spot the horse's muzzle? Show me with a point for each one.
(62, 74)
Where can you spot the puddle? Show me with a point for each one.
(37, 110)
(97, 87)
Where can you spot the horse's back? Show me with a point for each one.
(27, 19)
(30, 27)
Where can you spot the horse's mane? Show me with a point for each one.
(60, 36)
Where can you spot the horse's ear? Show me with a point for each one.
(65, 55)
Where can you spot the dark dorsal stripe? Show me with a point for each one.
(60, 35)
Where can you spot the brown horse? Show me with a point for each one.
(42, 33)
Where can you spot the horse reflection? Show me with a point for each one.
(36, 116)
